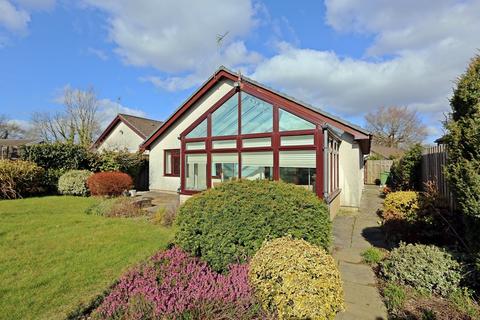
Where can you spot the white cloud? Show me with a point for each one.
(108, 110)
(418, 51)
(12, 18)
(100, 54)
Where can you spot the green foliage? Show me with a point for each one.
(463, 141)
(402, 205)
(394, 296)
(372, 255)
(115, 208)
(123, 161)
(406, 173)
(229, 223)
(464, 302)
(165, 216)
(62, 156)
(426, 268)
(296, 280)
(19, 178)
(74, 182)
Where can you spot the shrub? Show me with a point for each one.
(165, 216)
(425, 268)
(63, 156)
(394, 296)
(121, 207)
(406, 172)
(401, 205)
(372, 255)
(19, 178)
(109, 183)
(74, 182)
(229, 223)
(296, 280)
(172, 285)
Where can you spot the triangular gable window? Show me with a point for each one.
(200, 131)
(225, 118)
(289, 122)
(257, 115)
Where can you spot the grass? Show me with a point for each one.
(54, 257)
(372, 256)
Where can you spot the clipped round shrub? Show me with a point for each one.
(296, 280)
(425, 268)
(229, 223)
(74, 182)
(402, 205)
(112, 183)
(19, 178)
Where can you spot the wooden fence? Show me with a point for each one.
(373, 168)
(433, 161)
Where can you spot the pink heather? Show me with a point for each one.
(175, 283)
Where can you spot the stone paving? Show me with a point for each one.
(353, 233)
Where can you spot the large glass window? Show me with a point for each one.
(196, 172)
(298, 167)
(257, 115)
(200, 131)
(257, 165)
(289, 122)
(224, 167)
(225, 118)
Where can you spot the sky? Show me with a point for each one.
(145, 57)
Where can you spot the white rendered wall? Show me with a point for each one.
(121, 138)
(350, 172)
(169, 139)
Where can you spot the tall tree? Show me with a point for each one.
(10, 129)
(395, 126)
(463, 141)
(78, 122)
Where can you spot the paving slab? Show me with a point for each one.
(352, 235)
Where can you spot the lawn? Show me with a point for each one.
(54, 257)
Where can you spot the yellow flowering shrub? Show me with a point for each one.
(402, 205)
(296, 280)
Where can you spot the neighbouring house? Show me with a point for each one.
(233, 127)
(380, 152)
(12, 148)
(126, 132)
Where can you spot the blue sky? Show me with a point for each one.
(146, 57)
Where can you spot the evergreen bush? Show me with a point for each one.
(74, 182)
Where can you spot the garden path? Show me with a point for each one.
(353, 233)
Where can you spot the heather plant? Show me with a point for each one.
(296, 280)
(74, 182)
(428, 269)
(229, 223)
(173, 284)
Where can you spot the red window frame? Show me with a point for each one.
(175, 162)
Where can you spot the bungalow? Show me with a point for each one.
(12, 148)
(126, 132)
(233, 127)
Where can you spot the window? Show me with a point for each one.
(298, 167)
(200, 131)
(332, 165)
(224, 144)
(225, 118)
(196, 175)
(195, 145)
(257, 142)
(257, 115)
(172, 162)
(257, 165)
(297, 140)
(224, 167)
(289, 122)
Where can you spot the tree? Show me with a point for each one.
(9, 129)
(77, 122)
(395, 126)
(463, 141)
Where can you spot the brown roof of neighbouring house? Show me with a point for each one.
(142, 126)
(18, 142)
(386, 152)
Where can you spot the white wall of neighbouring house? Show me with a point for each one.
(169, 139)
(351, 170)
(121, 138)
